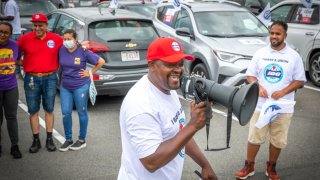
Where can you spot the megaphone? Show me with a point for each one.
(243, 99)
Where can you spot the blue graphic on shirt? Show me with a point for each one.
(181, 125)
(273, 73)
(272, 108)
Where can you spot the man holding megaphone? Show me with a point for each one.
(279, 71)
(154, 133)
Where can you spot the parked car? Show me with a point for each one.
(29, 7)
(141, 7)
(221, 36)
(256, 6)
(303, 32)
(121, 39)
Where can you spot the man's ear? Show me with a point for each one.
(151, 65)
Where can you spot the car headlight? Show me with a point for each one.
(228, 57)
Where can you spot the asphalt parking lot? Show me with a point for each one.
(101, 158)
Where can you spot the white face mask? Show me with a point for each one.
(69, 44)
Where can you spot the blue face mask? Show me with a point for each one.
(69, 44)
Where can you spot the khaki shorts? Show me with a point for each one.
(278, 130)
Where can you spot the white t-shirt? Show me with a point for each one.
(12, 9)
(149, 117)
(275, 70)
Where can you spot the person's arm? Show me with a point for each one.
(6, 18)
(294, 85)
(85, 73)
(262, 90)
(193, 151)
(169, 149)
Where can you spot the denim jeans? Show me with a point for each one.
(80, 98)
(8, 108)
(40, 88)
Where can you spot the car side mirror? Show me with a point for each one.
(184, 32)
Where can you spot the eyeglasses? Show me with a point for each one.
(5, 33)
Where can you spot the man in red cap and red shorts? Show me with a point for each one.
(155, 135)
(40, 62)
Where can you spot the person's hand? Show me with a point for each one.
(207, 173)
(84, 73)
(262, 92)
(278, 94)
(198, 115)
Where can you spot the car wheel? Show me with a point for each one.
(201, 71)
(314, 69)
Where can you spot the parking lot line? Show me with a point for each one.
(312, 88)
(55, 133)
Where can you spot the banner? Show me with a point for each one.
(307, 3)
(114, 4)
(177, 5)
(265, 15)
(271, 109)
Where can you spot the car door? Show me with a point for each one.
(183, 20)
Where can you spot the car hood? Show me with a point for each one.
(245, 46)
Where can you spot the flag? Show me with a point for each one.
(156, 1)
(114, 4)
(177, 5)
(307, 3)
(271, 109)
(265, 15)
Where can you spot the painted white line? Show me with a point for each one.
(42, 123)
(312, 88)
(214, 110)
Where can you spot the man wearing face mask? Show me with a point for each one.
(75, 82)
(40, 62)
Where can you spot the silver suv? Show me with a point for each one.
(303, 32)
(221, 36)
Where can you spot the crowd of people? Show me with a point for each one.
(155, 134)
(41, 53)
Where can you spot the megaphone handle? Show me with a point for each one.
(229, 122)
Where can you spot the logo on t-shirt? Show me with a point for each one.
(50, 44)
(7, 63)
(77, 60)
(181, 123)
(273, 73)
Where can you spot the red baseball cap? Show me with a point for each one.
(168, 50)
(39, 18)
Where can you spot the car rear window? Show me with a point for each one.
(122, 30)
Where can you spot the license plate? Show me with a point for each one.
(130, 55)
(85, 3)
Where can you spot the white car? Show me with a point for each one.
(221, 36)
(303, 32)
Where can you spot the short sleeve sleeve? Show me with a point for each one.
(298, 70)
(92, 58)
(253, 67)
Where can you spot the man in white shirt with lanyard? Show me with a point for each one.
(155, 135)
(279, 71)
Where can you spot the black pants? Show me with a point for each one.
(9, 107)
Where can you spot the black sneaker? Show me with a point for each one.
(78, 145)
(15, 152)
(50, 145)
(36, 145)
(66, 145)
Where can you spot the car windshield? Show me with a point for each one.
(146, 10)
(229, 24)
(29, 7)
(122, 30)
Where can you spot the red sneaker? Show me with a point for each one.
(246, 171)
(271, 171)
